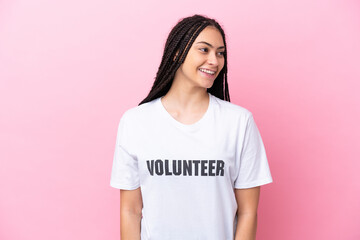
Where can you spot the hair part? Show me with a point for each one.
(177, 46)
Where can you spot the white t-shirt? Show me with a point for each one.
(187, 173)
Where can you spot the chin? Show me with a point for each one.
(207, 85)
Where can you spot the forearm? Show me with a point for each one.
(246, 227)
(130, 226)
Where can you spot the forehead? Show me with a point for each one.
(211, 35)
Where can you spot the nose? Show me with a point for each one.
(212, 59)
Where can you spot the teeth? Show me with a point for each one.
(207, 71)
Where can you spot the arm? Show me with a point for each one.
(247, 201)
(130, 214)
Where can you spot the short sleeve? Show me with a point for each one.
(253, 168)
(124, 174)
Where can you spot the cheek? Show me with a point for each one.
(192, 66)
(189, 68)
(222, 64)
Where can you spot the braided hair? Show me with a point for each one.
(177, 46)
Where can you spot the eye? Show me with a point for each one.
(201, 49)
(222, 53)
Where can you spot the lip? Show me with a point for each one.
(207, 75)
(214, 70)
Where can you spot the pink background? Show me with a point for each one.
(69, 69)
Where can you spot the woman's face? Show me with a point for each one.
(205, 54)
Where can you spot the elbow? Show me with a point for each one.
(247, 213)
(136, 212)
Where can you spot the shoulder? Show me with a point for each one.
(229, 109)
(139, 112)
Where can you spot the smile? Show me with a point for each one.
(207, 71)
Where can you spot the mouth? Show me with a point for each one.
(207, 73)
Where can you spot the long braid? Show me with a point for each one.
(177, 46)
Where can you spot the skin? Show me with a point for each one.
(130, 214)
(247, 201)
(187, 101)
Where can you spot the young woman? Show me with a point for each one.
(188, 163)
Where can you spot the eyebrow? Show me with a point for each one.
(210, 44)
